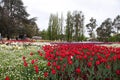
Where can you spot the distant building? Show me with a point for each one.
(37, 37)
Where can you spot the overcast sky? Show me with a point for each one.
(99, 9)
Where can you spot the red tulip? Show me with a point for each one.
(53, 71)
(97, 62)
(48, 64)
(89, 64)
(108, 66)
(25, 64)
(118, 72)
(36, 68)
(7, 78)
(46, 74)
(32, 61)
(78, 70)
(70, 62)
(31, 53)
(58, 67)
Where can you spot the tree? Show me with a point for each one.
(116, 23)
(31, 27)
(69, 27)
(78, 24)
(13, 13)
(105, 30)
(91, 26)
(53, 27)
(43, 34)
(74, 26)
(61, 36)
(14, 18)
(50, 28)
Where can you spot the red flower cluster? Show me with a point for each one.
(70, 59)
(33, 62)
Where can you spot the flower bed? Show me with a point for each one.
(61, 62)
(11, 57)
(82, 62)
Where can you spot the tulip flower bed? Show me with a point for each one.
(82, 62)
(60, 62)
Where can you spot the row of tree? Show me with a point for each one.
(74, 30)
(14, 19)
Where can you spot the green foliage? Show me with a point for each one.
(116, 23)
(114, 38)
(74, 26)
(44, 34)
(14, 19)
(69, 27)
(78, 25)
(82, 38)
(91, 26)
(54, 27)
(105, 30)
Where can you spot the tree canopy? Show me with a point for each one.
(14, 19)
